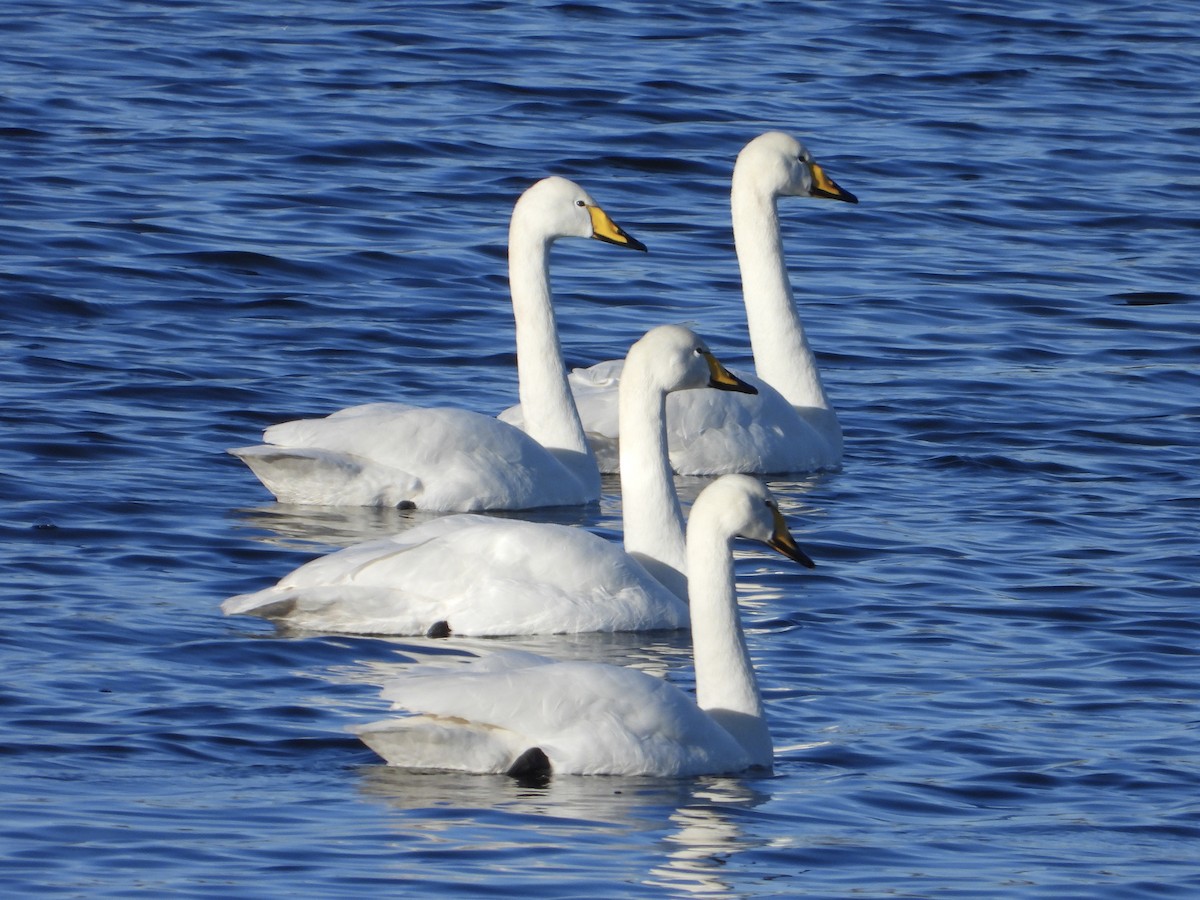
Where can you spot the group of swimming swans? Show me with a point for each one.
(677, 409)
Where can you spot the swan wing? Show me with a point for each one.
(434, 743)
(715, 433)
(595, 392)
(587, 718)
(473, 575)
(712, 432)
(393, 454)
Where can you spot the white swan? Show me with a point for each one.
(394, 454)
(521, 714)
(477, 575)
(790, 425)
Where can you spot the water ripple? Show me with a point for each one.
(219, 217)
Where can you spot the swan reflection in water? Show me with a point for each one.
(299, 526)
(693, 850)
(706, 838)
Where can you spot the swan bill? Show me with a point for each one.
(781, 542)
(826, 187)
(605, 229)
(724, 380)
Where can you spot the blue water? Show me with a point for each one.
(216, 218)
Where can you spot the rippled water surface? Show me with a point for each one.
(219, 215)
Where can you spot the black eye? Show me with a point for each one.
(580, 203)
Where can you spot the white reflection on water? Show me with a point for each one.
(701, 818)
(705, 836)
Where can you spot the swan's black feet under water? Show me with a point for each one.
(531, 767)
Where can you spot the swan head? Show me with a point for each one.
(675, 358)
(745, 508)
(780, 165)
(558, 207)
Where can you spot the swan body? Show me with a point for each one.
(715, 435)
(471, 575)
(395, 454)
(521, 714)
(481, 576)
(789, 425)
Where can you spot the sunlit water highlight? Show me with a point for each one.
(217, 218)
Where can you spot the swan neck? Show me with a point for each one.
(653, 520)
(726, 687)
(782, 356)
(551, 418)
(724, 674)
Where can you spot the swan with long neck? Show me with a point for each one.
(476, 575)
(791, 425)
(653, 519)
(440, 459)
(522, 714)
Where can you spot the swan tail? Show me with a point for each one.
(283, 469)
(345, 609)
(310, 475)
(436, 743)
(607, 451)
(269, 603)
(514, 416)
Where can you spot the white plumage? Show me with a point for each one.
(394, 454)
(477, 575)
(790, 425)
(473, 575)
(518, 713)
